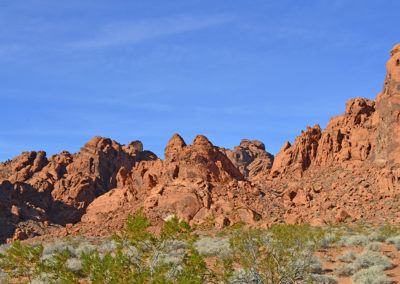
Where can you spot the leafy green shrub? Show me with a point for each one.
(19, 260)
(56, 268)
(142, 257)
(348, 256)
(371, 275)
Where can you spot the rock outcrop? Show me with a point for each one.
(194, 182)
(250, 158)
(348, 172)
(352, 166)
(58, 189)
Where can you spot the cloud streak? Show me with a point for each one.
(129, 33)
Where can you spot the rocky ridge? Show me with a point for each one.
(348, 172)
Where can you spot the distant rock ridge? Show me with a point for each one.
(58, 189)
(348, 172)
(250, 158)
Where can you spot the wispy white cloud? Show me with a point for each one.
(123, 33)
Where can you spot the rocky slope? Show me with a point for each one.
(348, 172)
(36, 191)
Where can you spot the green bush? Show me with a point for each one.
(19, 260)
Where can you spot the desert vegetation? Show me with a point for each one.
(282, 254)
(181, 254)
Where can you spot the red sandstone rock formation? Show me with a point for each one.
(250, 158)
(348, 172)
(352, 166)
(194, 182)
(59, 189)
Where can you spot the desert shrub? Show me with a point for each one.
(374, 246)
(141, 257)
(285, 255)
(19, 260)
(57, 268)
(44, 278)
(4, 248)
(83, 248)
(393, 240)
(58, 246)
(316, 265)
(108, 246)
(174, 252)
(375, 237)
(323, 279)
(354, 240)
(369, 258)
(344, 270)
(74, 264)
(3, 276)
(212, 246)
(371, 275)
(397, 246)
(387, 231)
(328, 239)
(348, 256)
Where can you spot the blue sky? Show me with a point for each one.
(128, 70)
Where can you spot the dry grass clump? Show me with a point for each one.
(374, 246)
(354, 240)
(59, 246)
(212, 246)
(74, 264)
(348, 256)
(316, 265)
(86, 248)
(323, 279)
(108, 246)
(328, 239)
(394, 240)
(369, 258)
(371, 275)
(344, 270)
(361, 263)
